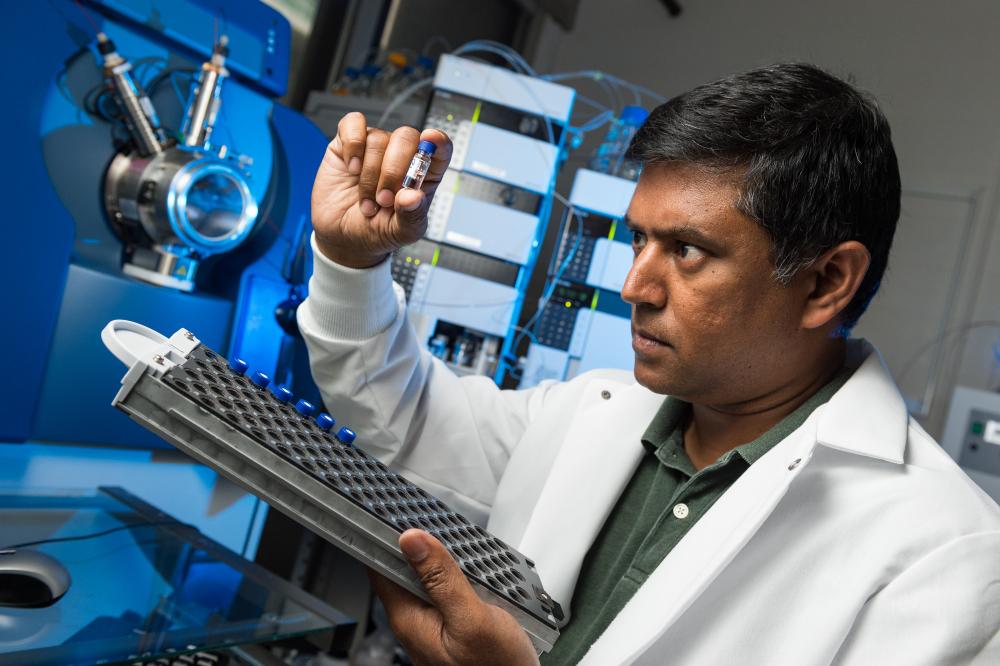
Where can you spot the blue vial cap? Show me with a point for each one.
(238, 365)
(352, 72)
(425, 62)
(634, 115)
(325, 421)
(346, 435)
(260, 379)
(282, 394)
(426, 147)
(304, 407)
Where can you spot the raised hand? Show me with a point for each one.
(360, 212)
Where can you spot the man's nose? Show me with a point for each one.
(645, 284)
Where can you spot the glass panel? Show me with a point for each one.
(155, 588)
(215, 205)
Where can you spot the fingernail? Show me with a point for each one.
(354, 166)
(368, 207)
(385, 198)
(414, 549)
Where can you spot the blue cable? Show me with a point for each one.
(552, 284)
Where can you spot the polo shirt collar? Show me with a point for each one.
(664, 436)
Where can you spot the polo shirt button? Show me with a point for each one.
(681, 511)
(606, 394)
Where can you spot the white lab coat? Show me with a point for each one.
(856, 540)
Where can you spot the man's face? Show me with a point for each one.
(710, 324)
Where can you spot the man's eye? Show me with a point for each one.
(688, 251)
(638, 238)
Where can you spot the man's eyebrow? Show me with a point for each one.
(683, 232)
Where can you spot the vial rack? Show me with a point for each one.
(227, 418)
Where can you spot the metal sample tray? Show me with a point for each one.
(212, 410)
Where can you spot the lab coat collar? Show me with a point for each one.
(867, 416)
(602, 448)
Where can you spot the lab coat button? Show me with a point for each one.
(795, 463)
(681, 511)
(606, 394)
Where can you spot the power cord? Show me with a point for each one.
(82, 537)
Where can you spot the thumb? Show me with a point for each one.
(411, 212)
(449, 590)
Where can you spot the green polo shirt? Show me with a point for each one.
(664, 499)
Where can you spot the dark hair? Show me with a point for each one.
(811, 154)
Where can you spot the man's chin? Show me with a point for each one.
(656, 379)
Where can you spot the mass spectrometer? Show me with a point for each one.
(158, 179)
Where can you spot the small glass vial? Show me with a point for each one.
(419, 165)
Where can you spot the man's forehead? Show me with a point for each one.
(693, 206)
(670, 197)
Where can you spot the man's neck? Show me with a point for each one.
(716, 429)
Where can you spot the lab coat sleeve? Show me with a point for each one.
(453, 436)
(943, 609)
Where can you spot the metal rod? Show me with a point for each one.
(140, 116)
(204, 107)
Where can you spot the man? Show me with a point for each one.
(779, 507)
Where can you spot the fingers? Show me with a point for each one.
(412, 205)
(352, 133)
(442, 156)
(399, 603)
(380, 161)
(416, 624)
(395, 162)
(371, 167)
(446, 585)
(411, 211)
(457, 627)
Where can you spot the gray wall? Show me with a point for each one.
(934, 68)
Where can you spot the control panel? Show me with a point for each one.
(981, 450)
(465, 281)
(972, 436)
(585, 324)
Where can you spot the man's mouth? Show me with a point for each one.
(643, 340)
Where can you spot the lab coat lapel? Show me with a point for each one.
(707, 549)
(596, 460)
(866, 417)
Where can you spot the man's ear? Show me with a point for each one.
(835, 276)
